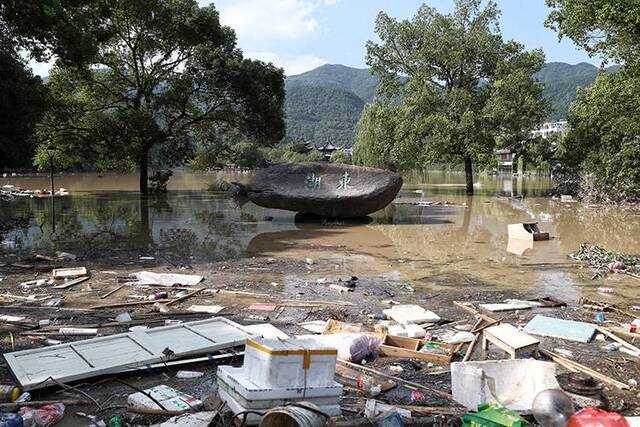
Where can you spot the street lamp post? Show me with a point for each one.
(51, 152)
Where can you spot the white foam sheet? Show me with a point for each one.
(511, 383)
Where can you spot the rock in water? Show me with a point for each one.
(324, 189)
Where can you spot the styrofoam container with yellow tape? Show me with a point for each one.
(235, 381)
(251, 396)
(279, 371)
(290, 363)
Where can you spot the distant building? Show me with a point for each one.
(549, 128)
(505, 161)
(327, 149)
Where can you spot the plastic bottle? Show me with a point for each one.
(24, 397)
(9, 392)
(115, 421)
(593, 417)
(187, 375)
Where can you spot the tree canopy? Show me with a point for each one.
(165, 74)
(602, 147)
(35, 30)
(22, 102)
(464, 90)
(601, 27)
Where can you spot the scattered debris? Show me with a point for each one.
(150, 278)
(211, 309)
(262, 307)
(513, 384)
(68, 273)
(560, 328)
(276, 372)
(509, 339)
(165, 398)
(527, 231)
(116, 353)
(407, 314)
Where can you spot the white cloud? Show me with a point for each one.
(291, 64)
(264, 20)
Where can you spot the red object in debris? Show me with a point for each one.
(593, 417)
(262, 307)
(416, 395)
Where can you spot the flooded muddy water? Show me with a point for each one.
(463, 243)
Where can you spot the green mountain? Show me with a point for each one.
(561, 82)
(359, 81)
(326, 102)
(322, 113)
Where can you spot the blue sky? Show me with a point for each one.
(300, 35)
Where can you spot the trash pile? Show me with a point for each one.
(8, 192)
(603, 261)
(167, 349)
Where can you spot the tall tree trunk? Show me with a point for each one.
(143, 165)
(468, 171)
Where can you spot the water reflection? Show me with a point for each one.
(463, 243)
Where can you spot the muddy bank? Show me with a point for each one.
(301, 287)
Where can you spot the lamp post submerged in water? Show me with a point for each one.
(51, 150)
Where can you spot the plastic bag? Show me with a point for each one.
(44, 416)
(352, 347)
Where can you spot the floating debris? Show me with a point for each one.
(599, 257)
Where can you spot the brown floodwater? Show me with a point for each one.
(462, 244)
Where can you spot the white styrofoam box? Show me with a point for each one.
(245, 393)
(511, 383)
(415, 331)
(409, 314)
(171, 399)
(275, 363)
(254, 419)
(235, 379)
(397, 331)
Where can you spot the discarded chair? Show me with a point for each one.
(527, 231)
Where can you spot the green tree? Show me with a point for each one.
(165, 76)
(339, 156)
(603, 144)
(602, 147)
(22, 102)
(464, 90)
(539, 153)
(66, 29)
(36, 29)
(601, 27)
(375, 136)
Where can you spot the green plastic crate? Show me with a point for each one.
(492, 415)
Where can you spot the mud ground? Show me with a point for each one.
(273, 280)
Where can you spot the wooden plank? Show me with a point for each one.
(116, 353)
(71, 283)
(471, 309)
(576, 367)
(113, 291)
(511, 336)
(407, 348)
(472, 344)
(127, 304)
(409, 384)
(348, 376)
(182, 298)
(68, 273)
(616, 338)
